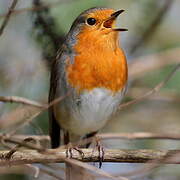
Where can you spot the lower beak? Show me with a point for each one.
(110, 21)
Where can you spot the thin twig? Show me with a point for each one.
(154, 90)
(25, 101)
(21, 143)
(42, 7)
(57, 100)
(129, 136)
(11, 120)
(164, 96)
(139, 136)
(36, 137)
(7, 17)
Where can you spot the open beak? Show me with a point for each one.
(109, 22)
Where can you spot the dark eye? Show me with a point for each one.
(91, 21)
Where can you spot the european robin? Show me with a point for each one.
(92, 66)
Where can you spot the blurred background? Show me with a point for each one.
(152, 45)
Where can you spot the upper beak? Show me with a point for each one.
(109, 22)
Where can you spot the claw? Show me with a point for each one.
(79, 151)
(69, 151)
(100, 150)
(101, 155)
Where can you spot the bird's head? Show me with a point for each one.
(98, 19)
(97, 23)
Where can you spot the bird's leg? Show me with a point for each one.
(99, 147)
(70, 147)
(66, 137)
(90, 135)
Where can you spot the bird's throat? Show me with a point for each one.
(99, 63)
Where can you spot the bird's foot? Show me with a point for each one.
(101, 151)
(69, 151)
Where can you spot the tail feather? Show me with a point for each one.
(54, 131)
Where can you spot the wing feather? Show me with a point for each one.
(54, 126)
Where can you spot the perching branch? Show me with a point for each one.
(21, 100)
(41, 155)
(111, 155)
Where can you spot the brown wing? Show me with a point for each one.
(54, 126)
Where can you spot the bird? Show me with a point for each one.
(91, 66)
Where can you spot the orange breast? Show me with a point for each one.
(97, 64)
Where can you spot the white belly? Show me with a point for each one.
(92, 112)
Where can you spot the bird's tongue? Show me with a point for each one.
(108, 23)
